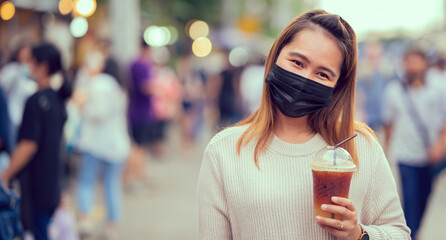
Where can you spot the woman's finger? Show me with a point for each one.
(344, 202)
(334, 223)
(340, 210)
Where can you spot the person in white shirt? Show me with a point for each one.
(104, 141)
(251, 85)
(414, 113)
(17, 85)
(255, 181)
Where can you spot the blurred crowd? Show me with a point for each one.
(401, 96)
(109, 120)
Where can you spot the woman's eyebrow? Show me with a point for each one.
(297, 54)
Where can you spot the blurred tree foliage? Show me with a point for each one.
(179, 12)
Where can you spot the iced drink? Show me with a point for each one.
(332, 173)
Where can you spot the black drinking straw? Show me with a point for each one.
(346, 140)
(339, 144)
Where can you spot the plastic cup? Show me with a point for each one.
(332, 173)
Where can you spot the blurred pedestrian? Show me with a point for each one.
(141, 115)
(193, 100)
(229, 94)
(414, 114)
(251, 84)
(37, 155)
(372, 80)
(17, 87)
(436, 75)
(104, 142)
(16, 83)
(166, 101)
(111, 66)
(5, 137)
(255, 180)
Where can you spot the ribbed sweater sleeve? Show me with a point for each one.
(382, 215)
(213, 220)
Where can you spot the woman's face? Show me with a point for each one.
(314, 55)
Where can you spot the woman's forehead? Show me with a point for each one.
(316, 45)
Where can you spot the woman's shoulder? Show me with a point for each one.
(367, 145)
(227, 137)
(366, 137)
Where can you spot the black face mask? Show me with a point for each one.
(297, 96)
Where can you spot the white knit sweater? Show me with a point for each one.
(237, 201)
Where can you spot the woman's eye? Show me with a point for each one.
(299, 64)
(323, 75)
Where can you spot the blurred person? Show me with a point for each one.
(414, 114)
(436, 75)
(193, 97)
(251, 85)
(111, 66)
(166, 98)
(104, 143)
(141, 115)
(5, 137)
(372, 80)
(36, 158)
(17, 85)
(255, 181)
(229, 94)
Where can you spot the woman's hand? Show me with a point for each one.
(348, 228)
(436, 153)
(80, 98)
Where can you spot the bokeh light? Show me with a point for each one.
(7, 10)
(198, 29)
(201, 47)
(65, 6)
(187, 26)
(173, 34)
(85, 8)
(79, 27)
(157, 36)
(238, 56)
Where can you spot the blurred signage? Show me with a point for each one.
(249, 23)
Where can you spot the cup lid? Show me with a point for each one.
(333, 159)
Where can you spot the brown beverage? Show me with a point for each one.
(332, 172)
(327, 184)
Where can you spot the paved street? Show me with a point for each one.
(433, 223)
(166, 209)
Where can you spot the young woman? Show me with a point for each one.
(255, 181)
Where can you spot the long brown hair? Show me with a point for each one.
(335, 122)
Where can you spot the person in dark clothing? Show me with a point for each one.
(229, 95)
(111, 66)
(36, 159)
(5, 140)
